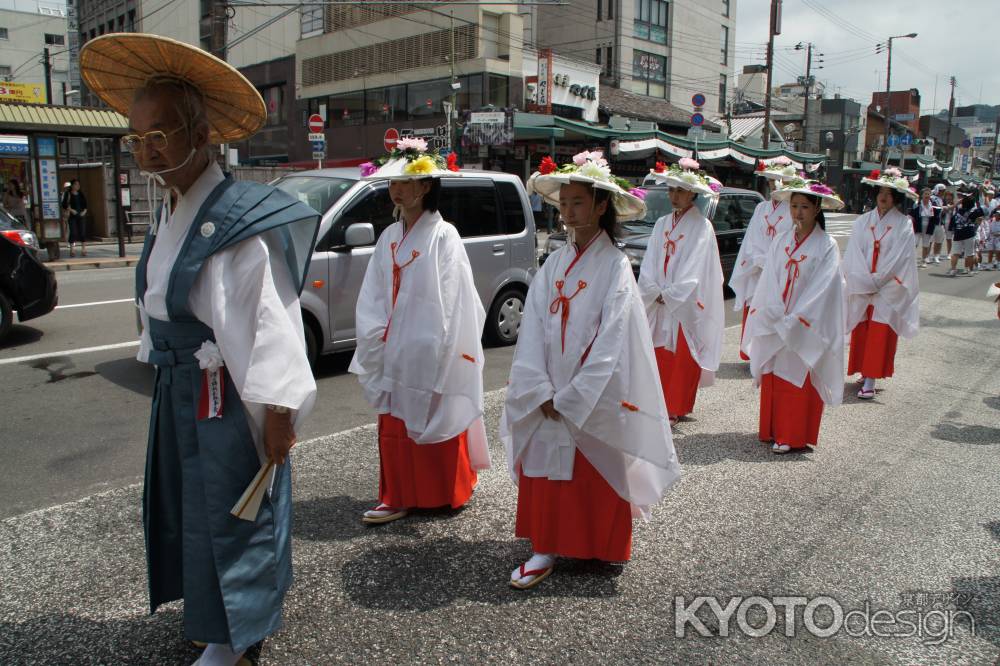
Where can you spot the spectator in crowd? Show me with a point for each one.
(965, 223)
(925, 218)
(14, 201)
(993, 240)
(947, 213)
(76, 204)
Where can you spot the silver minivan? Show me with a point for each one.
(491, 211)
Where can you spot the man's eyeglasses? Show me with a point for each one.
(156, 140)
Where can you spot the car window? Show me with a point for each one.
(317, 192)
(657, 205)
(372, 205)
(747, 206)
(471, 205)
(727, 214)
(513, 208)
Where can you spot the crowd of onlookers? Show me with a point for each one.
(965, 225)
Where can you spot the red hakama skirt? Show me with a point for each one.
(422, 476)
(679, 375)
(789, 414)
(743, 329)
(873, 348)
(582, 518)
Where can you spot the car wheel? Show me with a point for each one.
(6, 316)
(312, 344)
(504, 319)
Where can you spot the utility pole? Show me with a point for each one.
(951, 114)
(774, 28)
(451, 61)
(809, 80)
(996, 136)
(887, 111)
(47, 64)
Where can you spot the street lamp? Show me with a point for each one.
(888, 93)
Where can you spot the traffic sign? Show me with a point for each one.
(906, 140)
(317, 136)
(893, 140)
(697, 119)
(966, 143)
(698, 100)
(318, 145)
(390, 139)
(319, 154)
(316, 123)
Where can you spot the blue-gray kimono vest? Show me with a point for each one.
(231, 573)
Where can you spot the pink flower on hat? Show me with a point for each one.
(781, 160)
(689, 164)
(412, 143)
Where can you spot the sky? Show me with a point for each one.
(959, 38)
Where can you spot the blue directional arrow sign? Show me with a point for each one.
(906, 140)
(318, 145)
(893, 140)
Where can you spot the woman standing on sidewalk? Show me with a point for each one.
(770, 219)
(681, 285)
(76, 204)
(795, 331)
(584, 424)
(881, 281)
(419, 357)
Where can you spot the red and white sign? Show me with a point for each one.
(391, 137)
(316, 123)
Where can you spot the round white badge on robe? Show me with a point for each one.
(208, 229)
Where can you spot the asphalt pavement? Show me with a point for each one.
(898, 508)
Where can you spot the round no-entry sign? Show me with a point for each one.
(391, 137)
(315, 123)
(697, 99)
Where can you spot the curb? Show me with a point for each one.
(89, 265)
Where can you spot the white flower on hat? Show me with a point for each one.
(901, 182)
(595, 170)
(412, 142)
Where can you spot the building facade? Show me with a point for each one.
(902, 106)
(27, 29)
(667, 49)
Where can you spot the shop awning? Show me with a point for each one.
(62, 120)
(934, 165)
(718, 149)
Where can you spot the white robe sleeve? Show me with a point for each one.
(245, 293)
(371, 319)
(530, 384)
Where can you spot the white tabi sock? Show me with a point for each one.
(218, 654)
(869, 384)
(538, 561)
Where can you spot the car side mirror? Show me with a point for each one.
(359, 234)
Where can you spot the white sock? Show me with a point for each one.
(218, 654)
(537, 561)
(869, 384)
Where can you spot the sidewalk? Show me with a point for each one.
(99, 255)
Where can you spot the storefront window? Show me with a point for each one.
(424, 99)
(346, 110)
(470, 97)
(385, 105)
(650, 21)
(498, 93)
(649, 73)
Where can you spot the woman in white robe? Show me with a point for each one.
(680, 282)
(419, 357)
(795, 335)
(586, 431)
(881, 282)
(770, 219)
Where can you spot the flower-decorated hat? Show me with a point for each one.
(687, 175)
(592, 169)
(892, 178)
(779, 169)
(409, 161)
(829, 199)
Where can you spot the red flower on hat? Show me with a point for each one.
(547, 165)
(660, 167)
(875, 174)
(761, 166)
(452, 162)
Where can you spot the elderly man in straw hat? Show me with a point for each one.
(217, 288)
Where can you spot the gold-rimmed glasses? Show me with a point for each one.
(156, 140)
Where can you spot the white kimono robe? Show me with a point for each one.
(796, 322)
(246, 295)
(421, 360)
(770, 219)
(691, 287)
(584, 343)
(892, 288)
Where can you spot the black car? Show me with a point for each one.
(26, 285)
(730, 214)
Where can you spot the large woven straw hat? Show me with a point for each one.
(114, 66)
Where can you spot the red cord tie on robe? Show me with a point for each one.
(397, 277)
(877, 247)
(792, 271)
(670, 247)
(772, 229)
(561, 303)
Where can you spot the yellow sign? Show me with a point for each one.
(22, 93)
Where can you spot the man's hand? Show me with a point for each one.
(549, 410)
(279, 435)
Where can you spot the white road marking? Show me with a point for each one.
(85, 305)
(67, 352)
